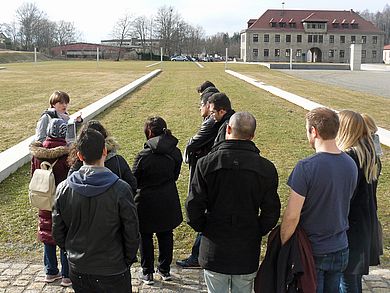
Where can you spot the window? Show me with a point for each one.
(320, 39)
(315, 39)
(331, 39)
(321, 26)
(299, 53)
(255, 38)
(255, 53)
(331, 53)
(299, 38)
(310, 38)
(288, 38)
(273, 24)
(282, 24)
(277, 52)
(266, 52)
(374, 39)
(293, 25)
(342, 39)
(266, 38)
(373, 54)
(335, 25)
(287, 53)
(364, 53)
(353, 39)
(277, 38)
(313, 25)
(354, 25)
(242, 38)
(364, 39)
(345, 25)
(342, 53)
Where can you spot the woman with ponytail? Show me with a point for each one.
(355, 139)
(157, 167)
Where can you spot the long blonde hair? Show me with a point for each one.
(354, 135)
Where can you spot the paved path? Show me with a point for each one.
(28, 278)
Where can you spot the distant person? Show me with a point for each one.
(321, 187)
(233, 201)
(115, 162)
(221, 110)
(59, 102)
(157, 168)
(199, 146)
(355, 139)
(52, 150)
(95, 221)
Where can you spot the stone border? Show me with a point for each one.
(200, 65)
(150, 65)
(384, 134)
(18, 155)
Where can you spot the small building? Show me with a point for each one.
(136, 44)
(3, 40)
(386, 54)
(310, 36)
(85, 50)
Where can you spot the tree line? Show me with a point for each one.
(33, 29)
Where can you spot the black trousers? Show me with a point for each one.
(84, 283)
(165, 248)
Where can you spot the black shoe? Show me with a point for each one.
(165, 276)
(146, 279)
(187, 263)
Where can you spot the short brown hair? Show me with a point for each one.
(59, 96)
(325, 120)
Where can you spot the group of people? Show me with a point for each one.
(105, 211)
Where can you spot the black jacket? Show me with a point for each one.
(202, 142)
(157, 167)
(233, 201)
(95, 220)
(222, 126)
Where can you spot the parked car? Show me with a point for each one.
(179, 58)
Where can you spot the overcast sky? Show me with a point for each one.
(95, 19)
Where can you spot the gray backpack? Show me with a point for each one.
(42, 187)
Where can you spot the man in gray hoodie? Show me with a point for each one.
(95, 221)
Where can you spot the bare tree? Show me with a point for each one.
(141, 24)
(166, 21)
(122, 30)
(65, 33)
(12, 31)
(29, 17)
(45, 34)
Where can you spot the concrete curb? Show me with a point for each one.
(18, 155)
(384, 134)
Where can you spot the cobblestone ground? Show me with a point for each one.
(28, 278)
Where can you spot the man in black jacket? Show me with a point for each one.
(233, 201)
(199, 146)
(95, 221)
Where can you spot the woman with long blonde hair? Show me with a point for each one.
(355, 139)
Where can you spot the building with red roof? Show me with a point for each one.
(386, 54)
(311, 36)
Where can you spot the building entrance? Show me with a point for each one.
(314, 55)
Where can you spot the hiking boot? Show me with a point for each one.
(66, 282)
(52, 278)
(165, 276)
(188, 263)
(146, 279)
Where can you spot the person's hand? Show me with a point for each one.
(78, 118)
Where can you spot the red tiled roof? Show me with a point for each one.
(387, 47)
(329, 16)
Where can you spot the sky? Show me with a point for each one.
(95, 19)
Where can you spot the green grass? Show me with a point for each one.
(280, 136)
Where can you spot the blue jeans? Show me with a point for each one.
(221, 283)
(329, 269)
(50, 261)
(83, 283)
(351, 283)
(195, 248)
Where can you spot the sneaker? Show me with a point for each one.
(188, 263)
(165, 276)
(52, 278)
(66, 282)
(146, 279)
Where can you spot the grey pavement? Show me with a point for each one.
(373, 79)
(28, 278)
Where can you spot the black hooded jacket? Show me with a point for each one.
(157, 167)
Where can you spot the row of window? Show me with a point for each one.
(298, 53)
(312, 39)
(315, 25)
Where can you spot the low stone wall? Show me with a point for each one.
(18, 155)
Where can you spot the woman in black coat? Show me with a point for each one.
(157, 167)
(116, 163)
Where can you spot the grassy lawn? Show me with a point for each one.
(280, 136)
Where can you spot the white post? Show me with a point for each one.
(35, 55)
(226, 57)
(291, 54)
(161, 53)
(97, 55)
